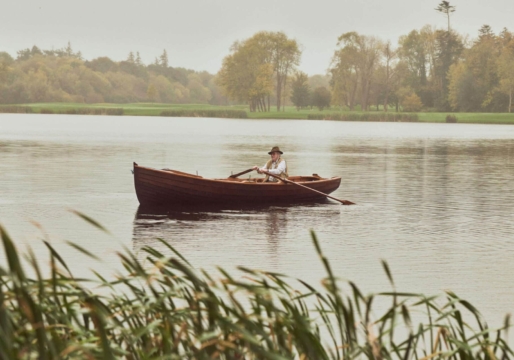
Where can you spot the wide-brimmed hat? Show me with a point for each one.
(275, 149)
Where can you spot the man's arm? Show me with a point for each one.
(260, 168)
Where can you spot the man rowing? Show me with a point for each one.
(276, 165)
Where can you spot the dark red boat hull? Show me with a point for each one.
(170, 187)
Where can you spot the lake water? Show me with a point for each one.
(434, 200)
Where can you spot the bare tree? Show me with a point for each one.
(390, 57)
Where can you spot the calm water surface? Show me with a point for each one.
(435, 200)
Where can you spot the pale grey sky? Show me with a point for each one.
(198, 33)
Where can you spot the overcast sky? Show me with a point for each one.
(198, 33)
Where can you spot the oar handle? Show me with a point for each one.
(241, 173)
(344, 202)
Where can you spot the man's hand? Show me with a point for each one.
(257, 169)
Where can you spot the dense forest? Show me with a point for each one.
(64, 76)
(428, 70)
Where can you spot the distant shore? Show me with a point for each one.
(242, 111)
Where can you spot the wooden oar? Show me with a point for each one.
(344, 202)
(241, 173)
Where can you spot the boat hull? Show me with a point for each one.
(170, 187)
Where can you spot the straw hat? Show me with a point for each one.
(275, 149)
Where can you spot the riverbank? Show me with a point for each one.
(242, 111)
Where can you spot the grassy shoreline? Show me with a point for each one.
(239, 111)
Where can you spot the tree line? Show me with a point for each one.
(62, 75)
(429, 69)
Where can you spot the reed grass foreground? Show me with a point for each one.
(169, 310)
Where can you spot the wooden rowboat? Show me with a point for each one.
(170, 187)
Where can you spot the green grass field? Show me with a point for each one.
(155, 109)
(136, 109)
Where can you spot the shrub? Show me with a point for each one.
(451, 118)
(213, 113)
(46, 111)
(11, 109)
(412, 103)
(94, 111)
(376, 117)
(321, 98)
(114, 111)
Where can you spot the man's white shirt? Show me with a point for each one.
(279, 170)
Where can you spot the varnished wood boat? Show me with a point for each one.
(170, 187)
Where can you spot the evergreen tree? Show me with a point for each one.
(130, 58)
(68, 50)
(485, 31)
(164, 59)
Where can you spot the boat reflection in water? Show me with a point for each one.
(223, 235)
(168, 222)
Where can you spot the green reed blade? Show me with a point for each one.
(6, 328)
(82, 250)
(176, 252)
(387, 271)
(90, 221)
(406, 317)
(98, 316)
(12, 255)
(57, 256)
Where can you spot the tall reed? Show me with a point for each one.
(170, 310)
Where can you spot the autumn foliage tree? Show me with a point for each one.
(259, 67)
(482, 79)
(353, 67)
(246, 76)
